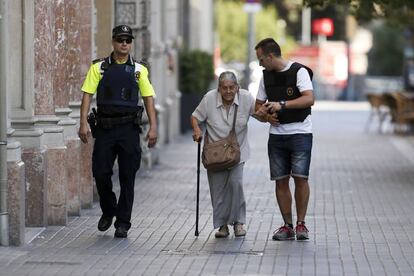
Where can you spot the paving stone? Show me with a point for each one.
(359, 215)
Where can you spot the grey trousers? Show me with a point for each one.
(227, 196)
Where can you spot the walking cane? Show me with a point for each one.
(198, 186)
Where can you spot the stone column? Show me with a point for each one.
(147, 23)
(20, 90)
(16, 194)
(171, 16)
(66, 68)
(84, 53)
(12, 84)
(45, 118)
(36, 190)
(73, 148)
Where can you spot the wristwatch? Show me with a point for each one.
(282, 105)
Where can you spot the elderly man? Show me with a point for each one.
(216, 110)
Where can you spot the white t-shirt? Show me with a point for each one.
(303, 83)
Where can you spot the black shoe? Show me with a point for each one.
(121, 232)
(104, 223)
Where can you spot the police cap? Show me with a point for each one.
(122, 30)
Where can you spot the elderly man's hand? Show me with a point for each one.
(272, 119)
(197, 135)
(261, 111)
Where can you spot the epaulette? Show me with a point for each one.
(143, 62)
(98, 60)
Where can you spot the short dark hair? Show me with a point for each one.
(269, 45)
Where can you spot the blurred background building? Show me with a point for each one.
(353, 49)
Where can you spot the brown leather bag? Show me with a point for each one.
(221, 154)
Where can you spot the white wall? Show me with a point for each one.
(201, 28)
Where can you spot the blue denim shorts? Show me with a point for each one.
(289, 155)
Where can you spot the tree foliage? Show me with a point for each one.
(231, 25)
(386, 55)
(196, 71)
(290, 11)
(394, 11)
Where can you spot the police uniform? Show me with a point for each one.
(118, 87)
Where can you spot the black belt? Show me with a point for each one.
(109, 122)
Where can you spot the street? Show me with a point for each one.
(359, 215)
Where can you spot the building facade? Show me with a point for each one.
(46, 48)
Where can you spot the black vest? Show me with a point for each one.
(282, 86)
(118, 91)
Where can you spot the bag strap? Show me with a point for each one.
(234, 119)
(233, 129)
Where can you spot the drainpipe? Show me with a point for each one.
(4, 216)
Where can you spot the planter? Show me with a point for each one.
(189, 102)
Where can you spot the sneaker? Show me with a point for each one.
(301, 232)
(283, 233)
(104, 223)
(238, 230)
(222, 232)
(121, 232)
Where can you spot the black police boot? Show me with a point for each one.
(121, 232)
(104, 223)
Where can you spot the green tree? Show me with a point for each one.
(386, 54)
(290, 11)
(231, 25)
(196, 71)
(396, 11)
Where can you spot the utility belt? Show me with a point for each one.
(110, 122)
(96, 121)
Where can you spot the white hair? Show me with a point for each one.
(227, 75)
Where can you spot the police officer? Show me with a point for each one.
(118, 80)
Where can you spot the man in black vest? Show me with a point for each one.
(286, 91)
(119, 82)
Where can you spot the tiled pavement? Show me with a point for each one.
(360, 215)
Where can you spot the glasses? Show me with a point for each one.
(122, 40)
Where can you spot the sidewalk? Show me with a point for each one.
(359, 215)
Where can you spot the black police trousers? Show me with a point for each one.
(122, 142)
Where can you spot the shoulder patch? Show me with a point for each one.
(98, 60)
(137, 75)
